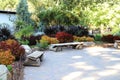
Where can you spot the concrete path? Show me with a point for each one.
(94, 63)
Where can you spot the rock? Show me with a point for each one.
(3, 72)
(27, 48)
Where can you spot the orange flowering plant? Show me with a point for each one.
(14, 47)
(84, 38)
(50, 40)
(6, 57)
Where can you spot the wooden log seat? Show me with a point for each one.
(34, 59)
(58, 47)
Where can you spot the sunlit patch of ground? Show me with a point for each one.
(93, 63)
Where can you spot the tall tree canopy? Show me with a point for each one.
(95, 13)
(8, 4)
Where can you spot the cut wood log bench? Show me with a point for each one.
(34, 59)
(58, 47)
(35, 55)
(117, 43)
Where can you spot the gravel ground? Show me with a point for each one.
(93, 63)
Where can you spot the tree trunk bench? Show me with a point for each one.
(35, 55)
(58, 47)
(117, 43)
(34, 59)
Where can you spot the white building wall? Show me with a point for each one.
(5, 18)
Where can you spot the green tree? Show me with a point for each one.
(23, 14)
(56, 16)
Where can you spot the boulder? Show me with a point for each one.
(3, 72)
(27, 48)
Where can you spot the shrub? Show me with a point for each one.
(64, 37)
(27, 30)
(108, 38)
(75, 38)
(4, 46)
(5, 34)
(14, 47)
(84, 38)
(53, 41)
(74, 30)
(43, 44)
(52, 30)
(6, 57)
(79, 39)
(77, 30)
(24, 42)
(50, 40)
(98, 37)
(116, 38)
(46, 38)
(31, 40)
(89, 39)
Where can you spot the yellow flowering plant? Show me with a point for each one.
(50, 40)
(84, 38)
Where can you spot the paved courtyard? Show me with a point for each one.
(93, 63)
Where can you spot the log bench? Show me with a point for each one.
(35, 55)
(117, 43)
(34, 59)
(58, 47)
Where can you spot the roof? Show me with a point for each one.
(7, 12)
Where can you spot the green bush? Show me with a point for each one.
(43, 44)
(9, 67)
(24, 42)
(26, 31)
(98, 37)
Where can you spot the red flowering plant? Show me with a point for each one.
(64, 37)
(108, 38)
(116, 38)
